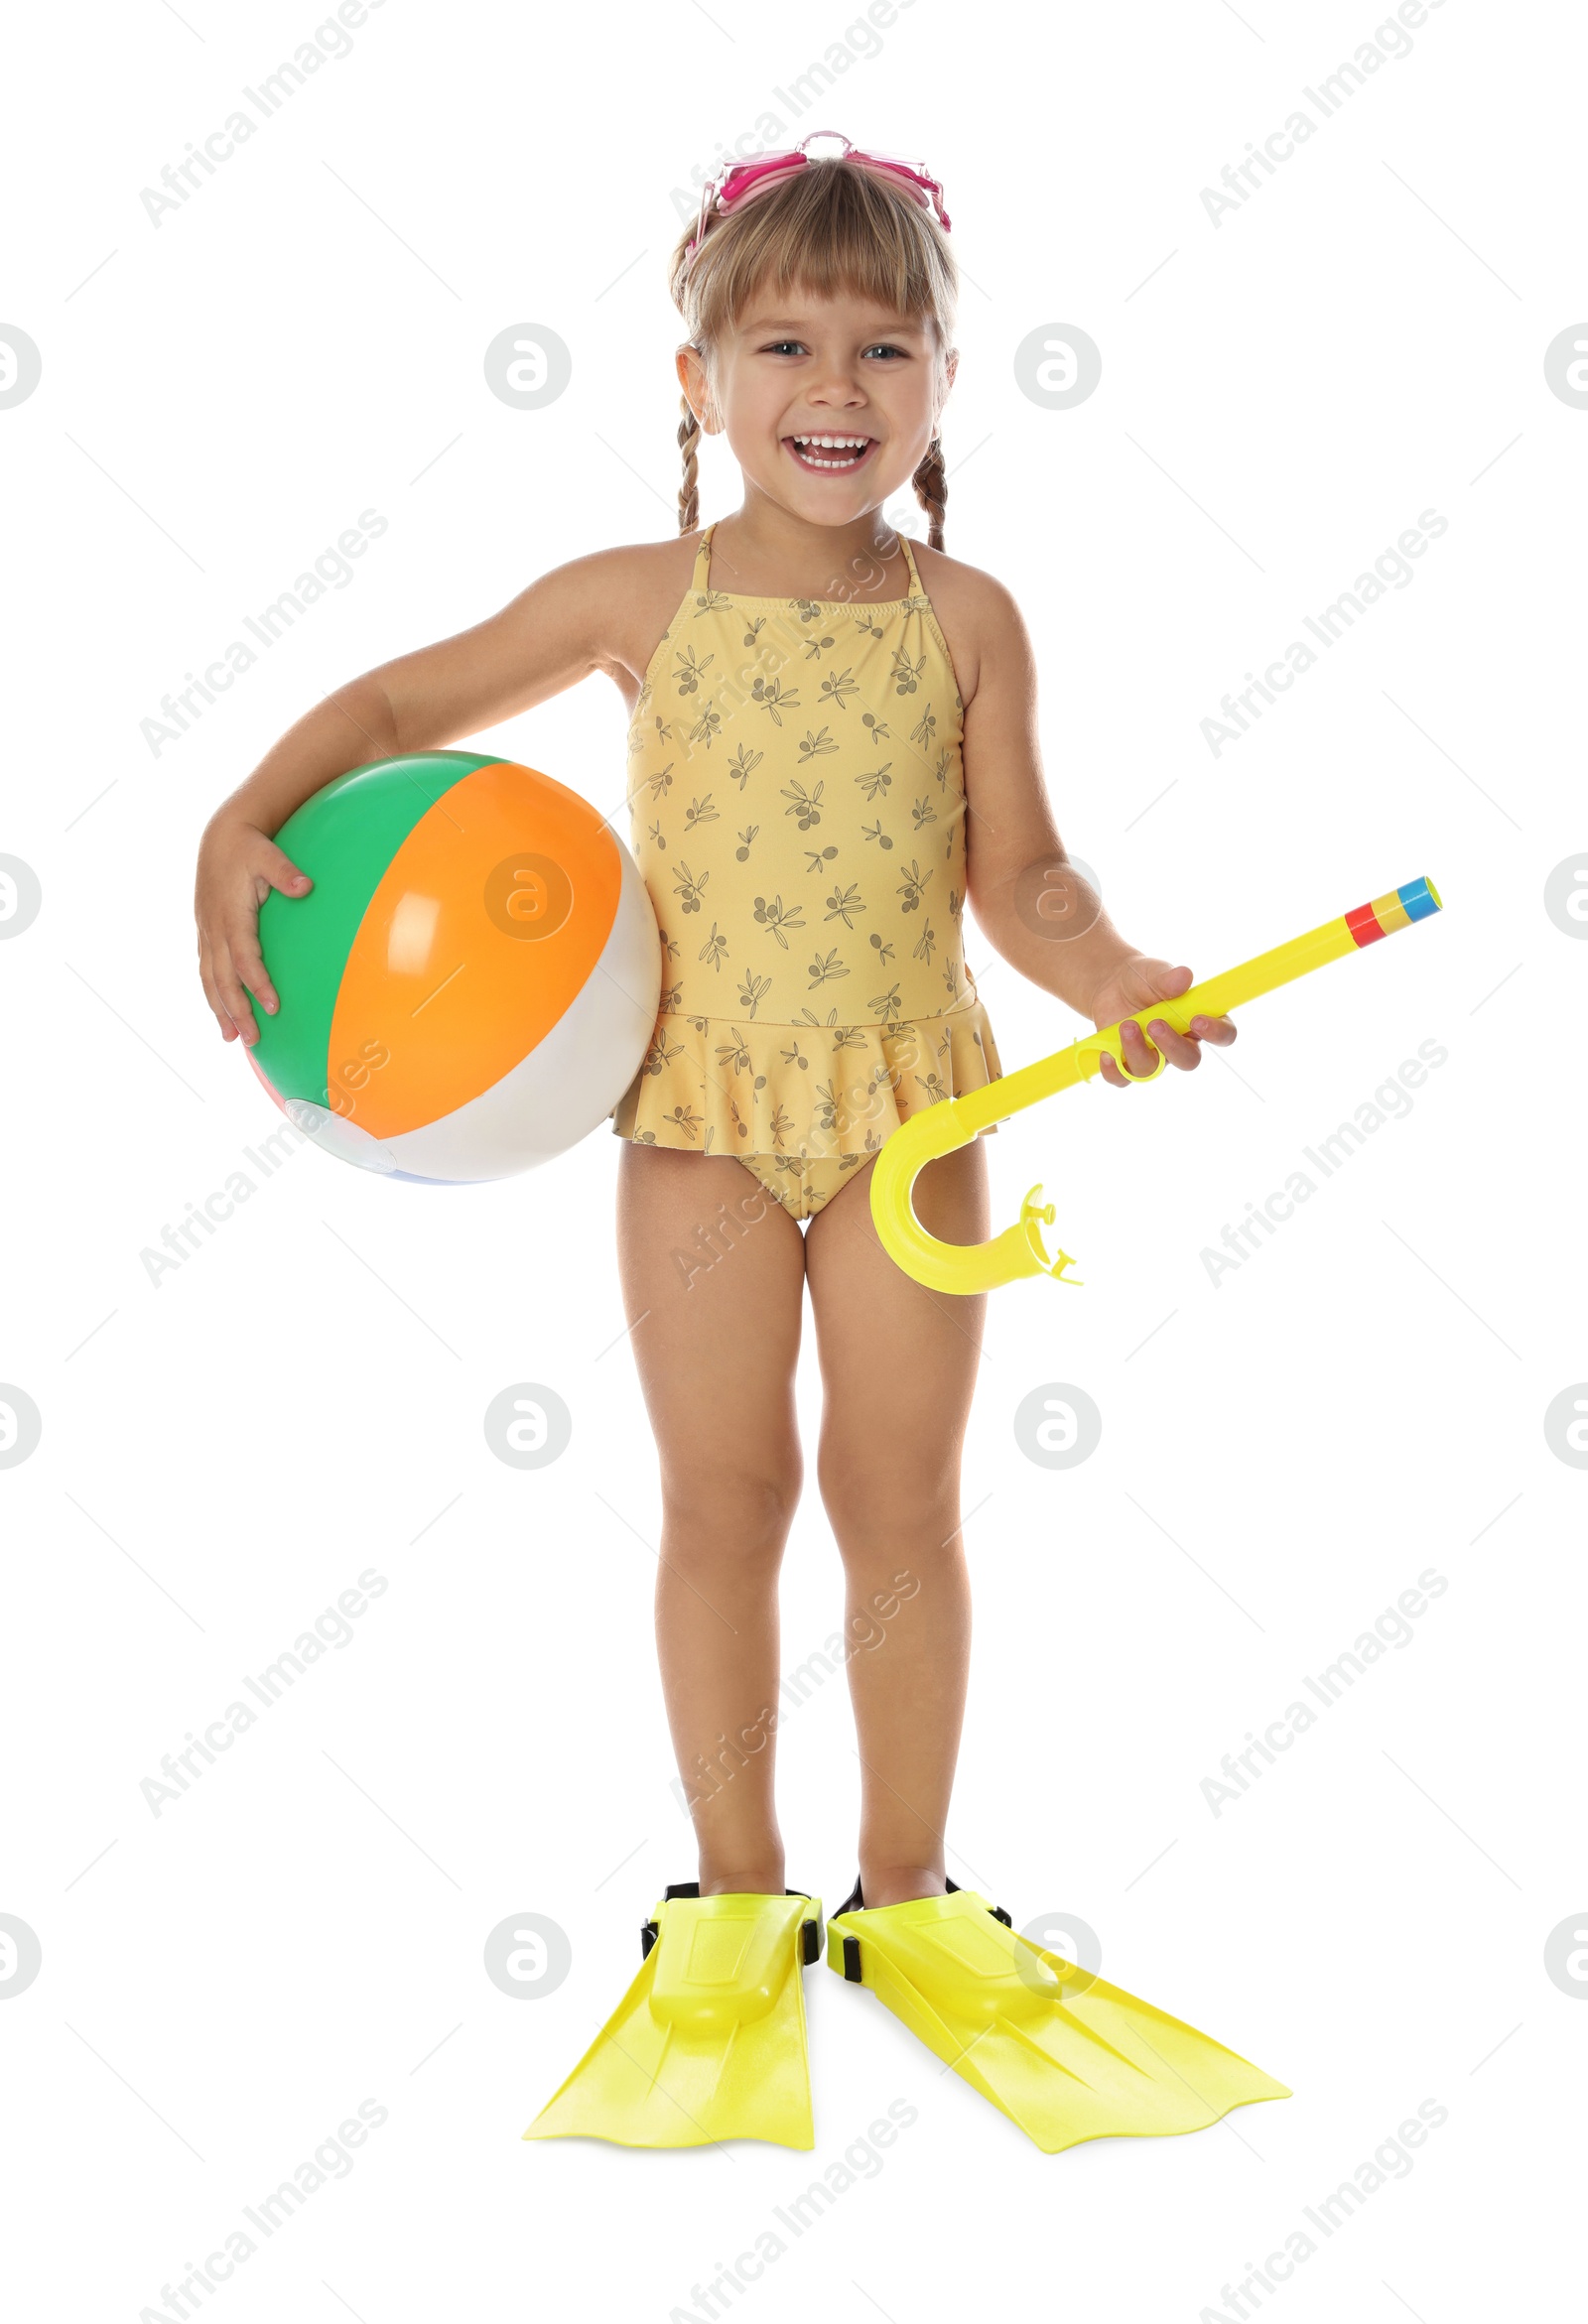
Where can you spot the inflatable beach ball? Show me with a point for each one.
(472, 982)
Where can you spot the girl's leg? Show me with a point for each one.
(713, 1281)
(899, 1367)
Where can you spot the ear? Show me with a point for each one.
(693, 380)
(951, 364)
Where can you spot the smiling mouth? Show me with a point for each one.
(831, 454)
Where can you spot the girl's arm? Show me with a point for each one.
(1032, 907)
(549, 639)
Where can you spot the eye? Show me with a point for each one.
(783, 346)
(886, 347)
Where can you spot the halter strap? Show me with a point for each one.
(703, 561)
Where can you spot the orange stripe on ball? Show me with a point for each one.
(483, 933)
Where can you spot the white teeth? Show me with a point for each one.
(852, 445)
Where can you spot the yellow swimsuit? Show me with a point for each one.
(798, 816)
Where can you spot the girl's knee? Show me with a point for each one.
(732, 1505)
(871, 1507)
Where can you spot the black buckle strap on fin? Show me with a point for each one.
(810, 1930)
(996, 1911)
(649, 1931)
(855, 1902)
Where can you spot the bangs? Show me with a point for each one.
(828, 231)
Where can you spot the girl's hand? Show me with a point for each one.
(239, 865)
(1134, 985)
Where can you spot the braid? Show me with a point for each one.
(688, 498)
(932, 490)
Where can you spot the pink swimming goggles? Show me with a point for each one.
(740, 180)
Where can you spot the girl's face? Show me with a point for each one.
(828, 404)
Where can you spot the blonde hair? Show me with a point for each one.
(828, 229)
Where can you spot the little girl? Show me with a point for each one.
(832, 751)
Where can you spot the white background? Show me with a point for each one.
(1282, 1455)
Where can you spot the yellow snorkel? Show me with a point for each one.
(940, 1129)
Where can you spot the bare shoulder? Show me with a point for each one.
(973, 609)
(629, 594)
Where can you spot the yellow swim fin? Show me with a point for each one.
(708, 2042)
(1062, 2054)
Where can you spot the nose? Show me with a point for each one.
(836, 384)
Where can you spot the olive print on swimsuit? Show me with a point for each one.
(798, 810)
